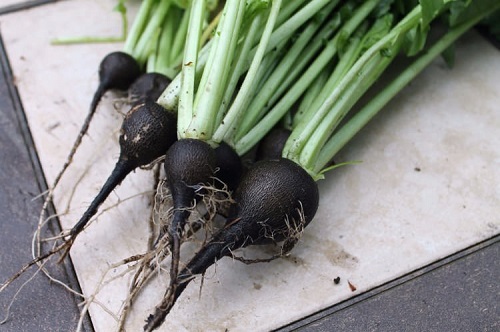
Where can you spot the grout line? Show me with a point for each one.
(36, 165)
(390, 285)
(23, 5)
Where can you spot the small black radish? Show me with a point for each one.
(148, 86)
(271, 146)
(192, 165)
(148, 130)
(117, 70)
(189, 166)
(229, 167)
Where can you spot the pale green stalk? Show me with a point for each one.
(354, 88)
(152, 51)
(287, 9)
(137, 27)
(242, 98)
(179, 39)
(189, 64)
(211, 88)
(238, 67)
(279, 110)
(352, 92)
(327, 80)
(288, 28)
(271, 85)
(163, 54)
(310, 95)
(169, 98)
(298, 67)
(142, 49)
(301, 136)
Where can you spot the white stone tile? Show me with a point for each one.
(377, 220)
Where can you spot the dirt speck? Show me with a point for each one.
(257, 286)
(53, 126)
(351, 286)
(338, 256)
(294, 259)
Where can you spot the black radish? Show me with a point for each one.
(117, 70)
(148, 130)
(148, 86)
(271, 146)
(275, 200)
(229, 167)
(189, 166)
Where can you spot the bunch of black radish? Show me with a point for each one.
(232, 91)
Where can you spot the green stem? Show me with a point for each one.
(271, 85)
(305, 60)
(239, 66)
(189, 64)
(322, 60)
(169, 98)
(243, 97)
(162, 64)
(137, 27)
(143, 46)
(179, 40)
(311, 94)
(300, 136)
(353, 89)
(287, 10)
(85, 40)
(356, 88)
(345, 63)
(363, 116)
(211, 88)
(288, 28)
(151, 51)
(91, 39)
